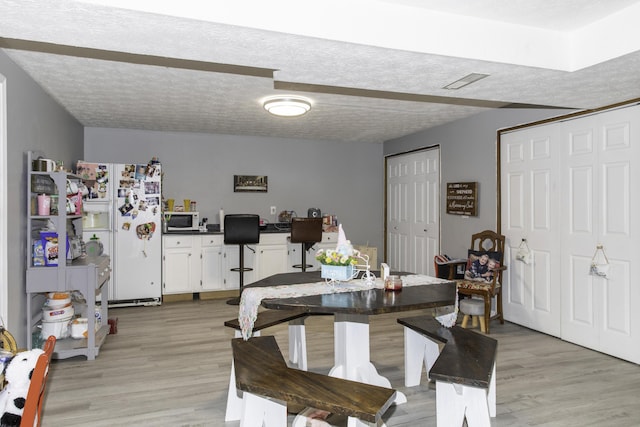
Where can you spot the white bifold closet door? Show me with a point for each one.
(568, 187)
(530, 199)
(600, 203)
(413, 211)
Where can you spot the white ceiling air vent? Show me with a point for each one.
(466, 80)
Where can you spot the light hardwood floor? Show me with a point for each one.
(169, 366)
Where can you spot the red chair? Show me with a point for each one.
(32, 412)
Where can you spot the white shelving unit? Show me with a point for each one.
(88, 276)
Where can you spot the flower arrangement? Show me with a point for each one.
(334, 257)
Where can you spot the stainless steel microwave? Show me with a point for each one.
(182, 221)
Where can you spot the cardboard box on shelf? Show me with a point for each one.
(372, 252)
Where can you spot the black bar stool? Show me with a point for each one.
(241, 230)
(307, 231)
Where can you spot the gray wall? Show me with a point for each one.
(468, 153)
(34, 122)
(344, 179)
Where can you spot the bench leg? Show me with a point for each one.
(356, 422)
(298, 344)
(351, 353)
(418, 350)
(491, 394)
(234, 397)
(302, 420)
(258, 411)
(455, 402)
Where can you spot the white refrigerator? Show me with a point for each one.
(122, 218)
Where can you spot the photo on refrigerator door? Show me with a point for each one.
(95, 177)
(153, 201)
(128, 172)
(152, 171)
(152, 187)
(141, 172)
(126, 209)
(126, 183)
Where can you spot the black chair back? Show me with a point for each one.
(241, 229)
(306, 230)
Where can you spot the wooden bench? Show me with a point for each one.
(297, 348)
(297, 336)
(464, 370)
(269, 385)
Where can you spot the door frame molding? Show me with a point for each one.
(4, 244)
(385, 196)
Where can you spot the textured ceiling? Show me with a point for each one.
(156, 68)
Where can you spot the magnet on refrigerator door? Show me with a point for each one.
(145, 231)
(125, 209)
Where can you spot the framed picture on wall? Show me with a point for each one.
(462, 198)
(250, 183)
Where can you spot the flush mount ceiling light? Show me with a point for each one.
(466, 80)
(287, 105)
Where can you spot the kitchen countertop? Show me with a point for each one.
(280, 227)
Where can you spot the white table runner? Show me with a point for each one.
(252, 297)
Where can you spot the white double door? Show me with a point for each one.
(413, 211)
(567, 188)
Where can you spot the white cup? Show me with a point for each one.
(72, 187)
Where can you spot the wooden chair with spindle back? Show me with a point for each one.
(491, 243)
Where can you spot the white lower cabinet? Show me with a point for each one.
(203, 263)
(211, 261)
(217, 260)
(272, 255)
(231, 259)
(180, 266)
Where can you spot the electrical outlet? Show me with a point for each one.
(273, 210)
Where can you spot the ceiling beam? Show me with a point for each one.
(133, 58)
(402, 96)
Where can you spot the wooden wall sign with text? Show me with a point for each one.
(462, 198)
